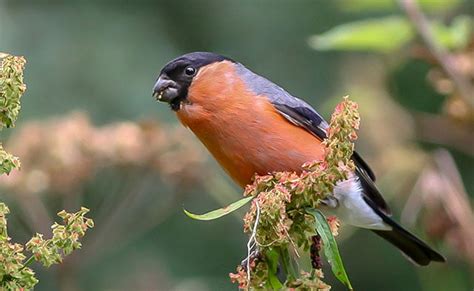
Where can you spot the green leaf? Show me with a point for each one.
(330, 247)
(366, 5)
(288, 265)
(388, 34)
(455, 36)
(391, 5)
(221, 211)
(384, 34)
(8, 162)
(272, 257)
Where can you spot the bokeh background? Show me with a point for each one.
(91, 134)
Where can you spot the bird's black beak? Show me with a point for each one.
(165, 89)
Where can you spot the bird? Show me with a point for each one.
(254, 127)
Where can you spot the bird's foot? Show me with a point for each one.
(330, 201)
(254, 255)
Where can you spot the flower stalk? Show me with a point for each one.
(283, 210)
(12, 88)
(15, 273)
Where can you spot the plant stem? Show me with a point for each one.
(288, 264)
(28, 262)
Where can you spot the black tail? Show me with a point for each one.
(410, 245)
(413, 247)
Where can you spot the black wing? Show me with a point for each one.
(306, 117)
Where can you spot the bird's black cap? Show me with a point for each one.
(176, 76)
(195, 59)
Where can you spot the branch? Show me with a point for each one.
(422, 27)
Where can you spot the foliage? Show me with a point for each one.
(220, 212)
(428, 67)
(331, 250)
(65, 238)
(14, 271)
(385, 34)
(389, 33)
(391, 5)
(438, 57)
(281, 217)
(11, 89)
(80, 69)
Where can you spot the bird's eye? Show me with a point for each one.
(190, 71)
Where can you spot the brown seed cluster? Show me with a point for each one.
(281, 199)
(63, 153)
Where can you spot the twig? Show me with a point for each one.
(251, 243)
(295, 249)
(422, 27)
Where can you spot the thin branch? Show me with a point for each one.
(423, 28)
(251, 243)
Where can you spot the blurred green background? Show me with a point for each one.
(102, 58)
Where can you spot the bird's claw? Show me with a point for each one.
(330, 201)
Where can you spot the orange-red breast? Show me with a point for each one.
(253, 126)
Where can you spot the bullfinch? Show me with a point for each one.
(252, 126)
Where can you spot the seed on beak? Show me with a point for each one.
(165, 90)
(158, 95)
